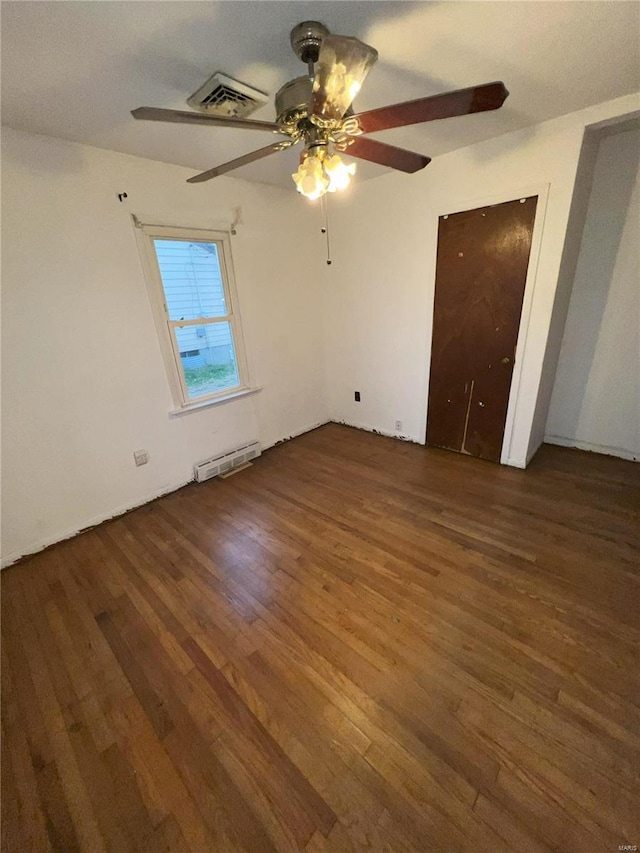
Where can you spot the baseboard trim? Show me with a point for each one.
(515, 463)
(69, 533)
(604, 449)
(295, 434)
(387, 433)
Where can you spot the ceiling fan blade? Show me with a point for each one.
(183, 117)
(475, 99)
(387, 155)
(240, 161)
(342, 67)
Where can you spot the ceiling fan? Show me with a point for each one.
(316, 110)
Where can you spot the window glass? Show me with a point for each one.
(208, 358)
(192, 279)
(200, 334)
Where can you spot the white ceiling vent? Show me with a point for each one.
(223, 96)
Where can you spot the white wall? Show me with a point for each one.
(568, 263)
(384, 236)
(83, 379)
(596, 395)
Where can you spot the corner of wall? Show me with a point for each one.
(569, 259)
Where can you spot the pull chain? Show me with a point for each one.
(324, 207)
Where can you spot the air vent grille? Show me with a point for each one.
(223, 96)
(226, 461)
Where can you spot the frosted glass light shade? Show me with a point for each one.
(342, 67)
(310, 179)
(338, 172)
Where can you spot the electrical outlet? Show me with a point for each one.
(141, 457)
(356, 396)
(398, 426)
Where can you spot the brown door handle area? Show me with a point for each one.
(505, 360)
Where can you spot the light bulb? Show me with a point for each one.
(310, 178)
(338, 172)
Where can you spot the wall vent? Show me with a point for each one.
(226, 461)
(223, 96)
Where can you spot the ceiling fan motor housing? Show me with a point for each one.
(292, 100)
(306, 39)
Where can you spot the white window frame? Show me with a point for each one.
(166, 326)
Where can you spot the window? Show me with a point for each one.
(191, 281)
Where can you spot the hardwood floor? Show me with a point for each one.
(355, 645)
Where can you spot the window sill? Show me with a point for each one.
(216, 401)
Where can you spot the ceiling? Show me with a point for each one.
(75, 69)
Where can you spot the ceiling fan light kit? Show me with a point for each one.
(316, 110)
(320, 172)
(311, 179)
(339, 172)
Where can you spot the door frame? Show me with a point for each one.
(542, 191)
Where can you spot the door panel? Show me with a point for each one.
(481, 271)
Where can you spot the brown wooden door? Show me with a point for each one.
(481, 271)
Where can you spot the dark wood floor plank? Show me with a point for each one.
(228, 817)
(19, 785)
(285, 718)
(162, 788)
(21, 830)
(60, 829)
(153, 705)
(334, 723)
(167, 837)
(240, 717)
(53, 692)
(508, 827)
(355, 644)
